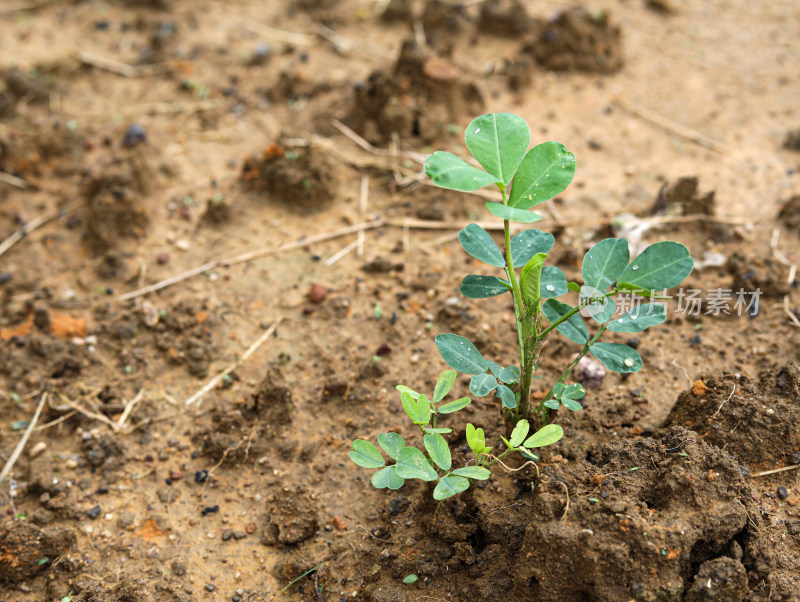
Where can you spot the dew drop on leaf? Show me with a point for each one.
(478, 130)
(629, 362)
(636, 267)
(550, 287)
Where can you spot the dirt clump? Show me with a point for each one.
(418, 99)
(757, 421)
(217, 214)
(291, 518)
(302, 179)
(23, 545)
(577, 39)
(396, 11)
(114, 203)
(682, 197)
(765, 274)
(42, 146)
(790, 213)
(503, 18)
(792, 140)
(639, 523)
(722, 578)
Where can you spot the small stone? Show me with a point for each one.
(794, 458)
(201, 476)
(182, 245)
(178, 568)
(783, 493)
(250, 528)
(134, 135)
(227, 534)
(37, 449)
(125, 519)
(210, 587)
(162, 258)
(338, 523)
(210, 510)
(163, 456)
(317, 293)
(239, 534)
(175, 475)
(94, 512)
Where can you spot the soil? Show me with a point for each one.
(156, 138)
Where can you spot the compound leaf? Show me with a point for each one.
(365, 454)
(553, 282)
(450, 486)
(545, 172)
(460, 354)
(498, 141)
(448, 171)
(617, 357)
(479, 243)
(507, 396)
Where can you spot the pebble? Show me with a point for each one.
(37, 449)
(317, 293)
(163, 456)
(201, 476)
(134, 135)
(697, 339)
(783, 493)
(210, 510)
(162, 258)
(5, 277)
(239, 534)
(210, 587)
(250, 528)
(227, 534)
(182, 244)
(94, 512)
(794, 458)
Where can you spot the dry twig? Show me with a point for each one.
(724, 402)
(774, 471)
(197, 397)
(7, 178)
(37, 223)
(118, 67)
(22, 442)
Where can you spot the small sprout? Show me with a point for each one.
(409, 579)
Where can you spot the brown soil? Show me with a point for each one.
(162, 136)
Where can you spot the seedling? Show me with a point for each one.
(525, 178)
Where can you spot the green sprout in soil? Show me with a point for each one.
(525, 178)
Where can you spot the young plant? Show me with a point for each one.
(436, 462)
(526, 178)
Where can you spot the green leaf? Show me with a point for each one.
(617, 357)
(605, 262)
(450, 486)
(553, 404)
(478, 473)
(391, 443)
(438, 450)
(573, 329)
(519, 433)
(529, 279)
(545, 172)
(386, 478)
(475, 439)
(574, 287)
(573, 391)
(601, 309)
(528, 243)
(571, 404)
(639, 319)
(409, 579)
(460, 354)
(448, 171)
(553, 283)
(419, 410)
(439, 431)
(481, 287)
(512, 214)
(412, 464)
(480, 244)
(660, 266)
(547, 435)
(365, 454)
(454, 406)
(404, 389)
(507, 396)
(482, 384)
(498, 141)
(509, 375)
(443, 385)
